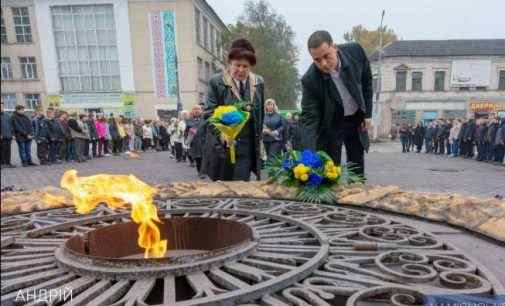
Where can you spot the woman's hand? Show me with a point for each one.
(223, 140)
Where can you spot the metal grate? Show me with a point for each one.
(302, 255)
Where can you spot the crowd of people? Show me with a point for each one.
(482, 138)
(61, 137)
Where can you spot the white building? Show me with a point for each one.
(135, 57)
(426, 80)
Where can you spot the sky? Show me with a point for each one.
(419, 19)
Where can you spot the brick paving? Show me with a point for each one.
(385, 165)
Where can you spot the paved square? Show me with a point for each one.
(385, 165)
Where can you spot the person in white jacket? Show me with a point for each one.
(453, 137)
(178, 136)
(147, 135)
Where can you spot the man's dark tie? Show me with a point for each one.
(242, 90)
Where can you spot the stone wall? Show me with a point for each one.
(484, 216)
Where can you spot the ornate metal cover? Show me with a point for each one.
(301, 255)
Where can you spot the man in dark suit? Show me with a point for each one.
(337, 99)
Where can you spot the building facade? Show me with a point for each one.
(22, 67)
(427, 80)
(130, 57)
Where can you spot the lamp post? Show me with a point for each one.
(377, 118)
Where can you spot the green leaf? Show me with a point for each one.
(324, 156)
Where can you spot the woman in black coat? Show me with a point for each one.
(236, 85)
(419, 136)
(164, 137)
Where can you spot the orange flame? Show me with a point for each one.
(117, 191)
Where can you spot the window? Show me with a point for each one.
(213, 40)
(201, 72)
(28, 68)
(6, 68)
(86, 47)
(207, 71)
(439, 80)
(501, 80)
(219, 48)
(401, 80)
(9, 101)
(22, 24)
(198, 26)
(481, 88)
(417, 81)
(201, 97)
(32, 101)
(464, 88)
(3, 30)
(205, 33)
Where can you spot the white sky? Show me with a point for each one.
(411, 19)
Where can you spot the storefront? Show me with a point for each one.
(487, 109)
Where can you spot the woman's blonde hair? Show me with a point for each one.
(271, 101)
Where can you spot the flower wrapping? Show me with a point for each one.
(229, 121)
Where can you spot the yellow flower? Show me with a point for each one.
(331, 175)
(304, 177)
(301, 170)
(331, 171)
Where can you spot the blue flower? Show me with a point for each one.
(288, 164)
(311, 159)
(315, 180)
(232, 118)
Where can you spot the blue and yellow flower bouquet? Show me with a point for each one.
(229, 120)
(314, 174)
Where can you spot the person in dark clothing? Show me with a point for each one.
(296, 133)
(93, 137)
(67, 151)
(436, 129)
(404, 137)
(461, 139)
(419, 136)
(411, 143)
(235, 85)
(195, 131)
(428, 138)
(337, 100)
(79, 132)
(56, 136)
(480, 139)
(490, 138)
(23, 131)
(6, 138)
(164, 137)
(470, 138)
(500, 143)
(41, 133)
(441, 131)
(115, 136)
(273, 130)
